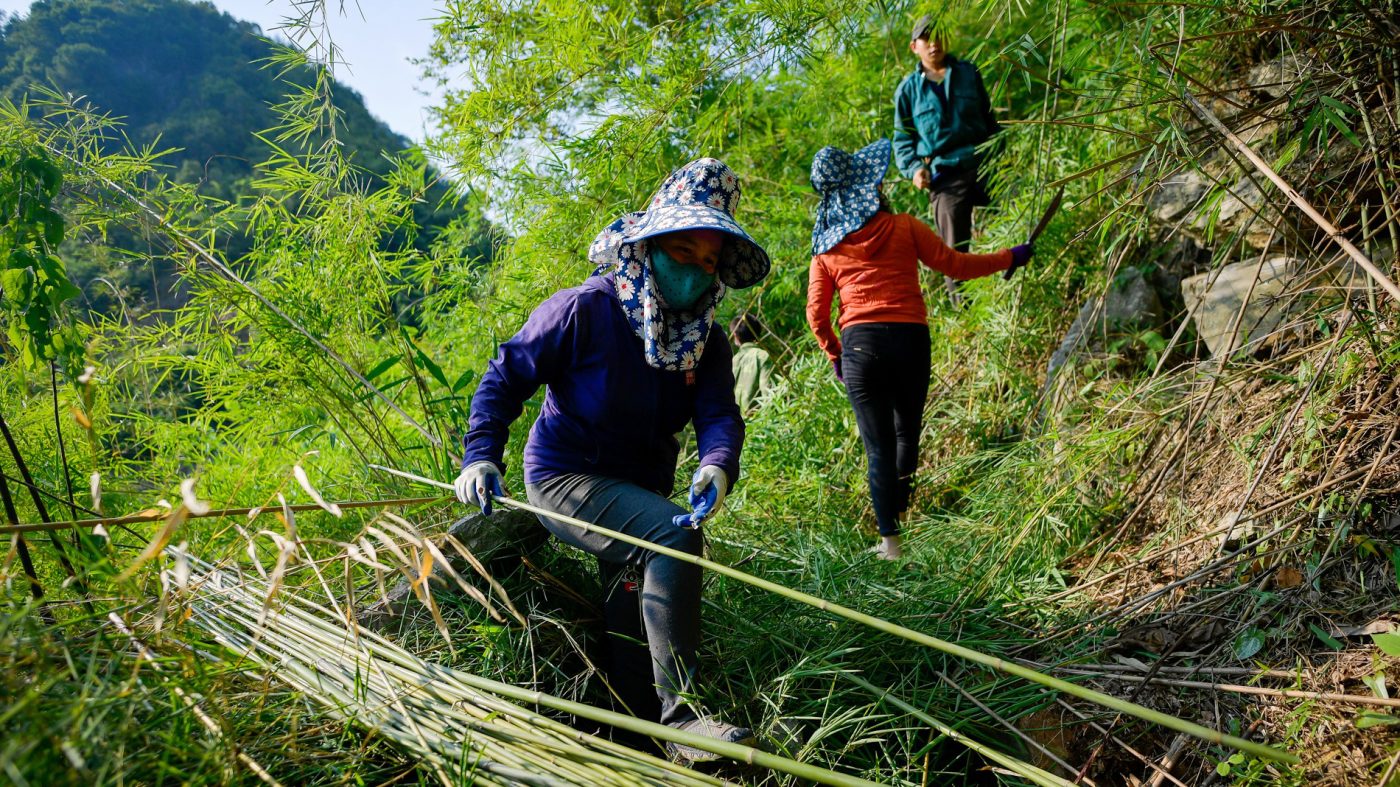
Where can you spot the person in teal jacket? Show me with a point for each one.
(942, 113)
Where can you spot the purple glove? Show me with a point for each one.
(836, 367)
(1020, 255)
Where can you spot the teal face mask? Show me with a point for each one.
(680, 285)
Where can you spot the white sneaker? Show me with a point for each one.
(710, 728)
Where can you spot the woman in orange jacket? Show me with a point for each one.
(870, 256)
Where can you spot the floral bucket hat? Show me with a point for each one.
(849, 185)
(701, 195)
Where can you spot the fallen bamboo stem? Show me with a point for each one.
(1259, 690)
(1108, 734)
(1161, 553)
(1164, 771)
(1085, 668)
(214, 514)
(1023, 769)
(1033, 743)
(1002, 665)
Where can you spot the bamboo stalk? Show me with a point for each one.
(214, 514)
(1259, 690)
(1023, 769)
(182, 239)
(294, 631)
(951, 648)
(1014, 729)
(1296, 198)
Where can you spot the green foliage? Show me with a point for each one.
(201, 86)
(34, 285)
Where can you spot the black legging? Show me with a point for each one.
(886, 367)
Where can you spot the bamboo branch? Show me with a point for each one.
(1264, 691)
(214, 514)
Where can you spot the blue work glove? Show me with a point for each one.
(476, 484)
(1020, 255)
(708, 487)
(836, 367)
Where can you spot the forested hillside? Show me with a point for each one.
(200, 90)
(1155, 537)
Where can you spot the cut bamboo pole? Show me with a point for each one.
(1099, 698)
(1263, 691)
(1023, 769)
(345, 669)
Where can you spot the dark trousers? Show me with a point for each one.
(670, 588)
(886, 367)
(950, 203)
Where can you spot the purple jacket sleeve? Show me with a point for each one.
(528, 360)
(719, 426)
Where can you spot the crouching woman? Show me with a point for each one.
(629, 358)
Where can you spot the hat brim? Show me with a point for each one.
(743, 263)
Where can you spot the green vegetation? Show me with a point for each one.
(1151, 517)
(204, 96)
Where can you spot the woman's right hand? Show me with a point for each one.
(1020, 255)
(476, 484)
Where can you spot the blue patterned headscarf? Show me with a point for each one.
(701, 195)
(850, 190)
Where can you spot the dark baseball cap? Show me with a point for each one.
(922, 27)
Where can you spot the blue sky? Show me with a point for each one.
(377, 39)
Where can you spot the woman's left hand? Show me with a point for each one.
(708, 487)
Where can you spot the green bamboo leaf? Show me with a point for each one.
(1327, 640)
(1337, 105)
(463, 381)
(1388, 643)
(1338, 123)
(382, 367)
(1367, 719)
(433, 368)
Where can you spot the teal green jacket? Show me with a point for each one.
(945, 132)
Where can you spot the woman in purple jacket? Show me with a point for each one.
(630, 357)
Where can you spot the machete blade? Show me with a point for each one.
(1050, 211)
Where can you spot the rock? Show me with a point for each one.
(1213, 300)
(1129, 305)
(1244, 208)
(1167, 263)
(1178, 195)
(1280, 77)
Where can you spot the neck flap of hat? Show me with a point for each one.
(849, 185)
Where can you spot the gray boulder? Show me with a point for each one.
(1129, 305)
(1224, 319)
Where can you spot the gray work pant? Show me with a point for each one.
(670, 592)
(950, 203)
